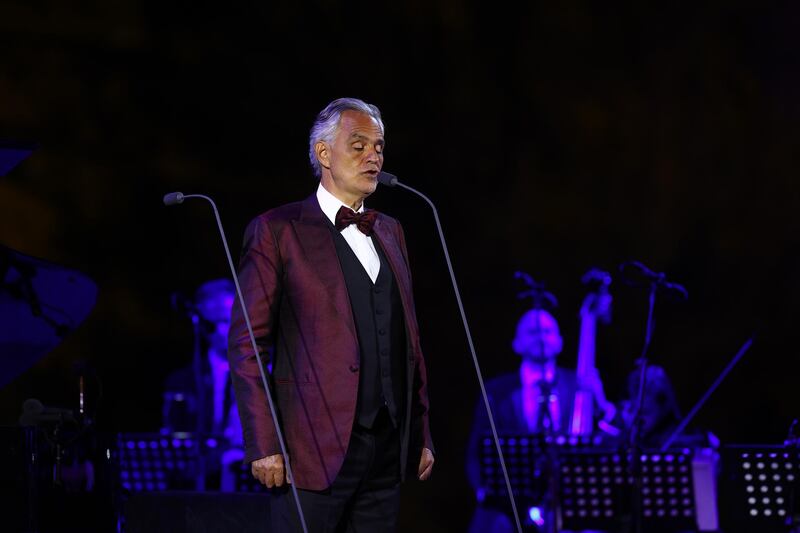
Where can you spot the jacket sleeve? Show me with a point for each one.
(260, 272)
(420, 426)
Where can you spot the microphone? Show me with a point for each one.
(636, 274)
(174, 198)
(390, 180)
(35, 413)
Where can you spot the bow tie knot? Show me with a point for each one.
(364, 221)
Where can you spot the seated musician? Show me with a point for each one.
(209, 409)
(659, 414)
(536, 399)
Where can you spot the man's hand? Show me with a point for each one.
(270, 471)
(425, 464)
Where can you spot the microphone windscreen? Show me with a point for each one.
(390, 180)
(173, 198)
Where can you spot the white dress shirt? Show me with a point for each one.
(532, 398)
(219, 378)
(361, 244)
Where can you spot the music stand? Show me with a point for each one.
(757, 489)
(595, 490)
(152, 462)
(525, 456)
(592, 490)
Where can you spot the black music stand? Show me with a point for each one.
(151, 462)
(668, 492)
(595, 490)
(526, 461)
(758, 488)
(592, 490)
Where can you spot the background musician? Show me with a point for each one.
(538, 398)
(660, 414)
(198, 398)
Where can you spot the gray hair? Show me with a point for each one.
(327, 124)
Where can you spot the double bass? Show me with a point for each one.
(596, 307)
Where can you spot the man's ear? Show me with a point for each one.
(323, 153)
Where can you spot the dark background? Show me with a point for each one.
(553, 137)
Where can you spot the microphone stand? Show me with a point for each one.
(551, 461)
(200, 395)
(391, 181)
(178, 198)
(793, 445)
(634, 448)
(539, 296)
(654, 281)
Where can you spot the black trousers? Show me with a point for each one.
(364, 497)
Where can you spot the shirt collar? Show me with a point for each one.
(330, 204)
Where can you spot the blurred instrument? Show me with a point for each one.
(596, 305)
(12, 153)
(40, 302)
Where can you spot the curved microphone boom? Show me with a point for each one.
(175, 198)
(391, 180)
(636, 273)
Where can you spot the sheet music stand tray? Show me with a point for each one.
(525, 456)
(151, 462)
(596, 490)
(758, 485)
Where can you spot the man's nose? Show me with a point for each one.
(373, 156)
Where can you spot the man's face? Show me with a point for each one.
(538, 337)
(215, 311)
(354, 158)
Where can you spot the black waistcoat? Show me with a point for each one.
(378, 315)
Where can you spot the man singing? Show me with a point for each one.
(328, 288)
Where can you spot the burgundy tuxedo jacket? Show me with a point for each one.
(296, 296)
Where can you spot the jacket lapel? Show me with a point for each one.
(388, 242)
(314, 233)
